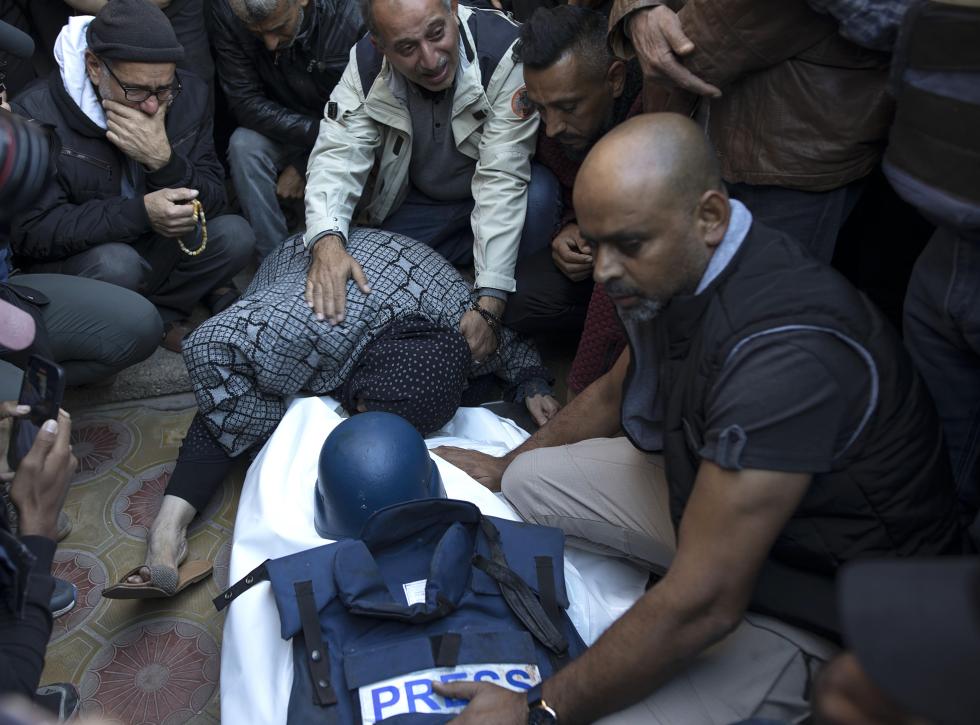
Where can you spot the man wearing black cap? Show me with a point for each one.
(137, 174)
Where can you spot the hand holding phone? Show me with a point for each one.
(42, 390)
(41, 482)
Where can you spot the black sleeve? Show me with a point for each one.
(788, 401)
(23, 640)
(245, 90)
(194, 163)
(54, 227)
(518, 364)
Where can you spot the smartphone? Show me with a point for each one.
(43, 389)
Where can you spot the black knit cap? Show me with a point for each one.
(134, 30)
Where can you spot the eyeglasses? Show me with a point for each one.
(136, 94)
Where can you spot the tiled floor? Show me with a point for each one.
(153, 661)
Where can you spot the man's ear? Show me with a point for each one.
(713, 213)
(616, 77)
(93, 66)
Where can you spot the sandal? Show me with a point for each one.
(164, 581)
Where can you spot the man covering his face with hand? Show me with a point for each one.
(137, 165)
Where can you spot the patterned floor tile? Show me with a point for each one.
(161, 672)
(89, 576)
(154, 661)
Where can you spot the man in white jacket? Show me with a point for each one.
(433, 101)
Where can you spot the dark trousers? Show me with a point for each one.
(813, 218)
(156, 268)
(942, 332)
(256, 162)
(95, 329)
(546, 300)
(445, 225)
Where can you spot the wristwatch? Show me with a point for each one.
(538, 712)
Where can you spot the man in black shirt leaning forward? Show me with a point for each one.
(795, 434)
(278, 61)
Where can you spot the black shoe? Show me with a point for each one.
(61, 699)
(63, 597)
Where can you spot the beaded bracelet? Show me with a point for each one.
(198, 217)
(493, 322)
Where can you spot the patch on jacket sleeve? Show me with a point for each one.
(520, 104)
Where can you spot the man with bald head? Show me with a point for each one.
(774, 429)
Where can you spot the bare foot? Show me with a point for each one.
(167, 540)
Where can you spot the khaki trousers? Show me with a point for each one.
(611, 498)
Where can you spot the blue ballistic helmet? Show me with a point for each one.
(370, 461)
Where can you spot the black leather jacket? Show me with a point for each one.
(83, 204)
(281, 95)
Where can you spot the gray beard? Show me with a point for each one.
(299, 29)
(644, 311)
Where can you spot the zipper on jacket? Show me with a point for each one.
(189, 134)
(72, 153)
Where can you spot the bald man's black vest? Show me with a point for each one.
(892, 492)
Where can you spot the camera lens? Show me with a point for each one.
(24, 160)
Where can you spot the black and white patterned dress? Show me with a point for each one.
(246, 362)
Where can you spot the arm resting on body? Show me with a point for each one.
(595, 413)
(728, 528)
(341, 159)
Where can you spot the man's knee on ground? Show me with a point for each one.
(140, 329)
(233, 238)
(245, 148)
(117, 264)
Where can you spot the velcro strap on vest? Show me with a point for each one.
(545, 571)
(258, 574)
(445, 649)
(316, 648)
(521, 599)
(934, 139)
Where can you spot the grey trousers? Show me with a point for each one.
(156, 268)
(256, 162)
(611, 498)
(96, 329)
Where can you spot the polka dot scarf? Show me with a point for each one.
(415, 369)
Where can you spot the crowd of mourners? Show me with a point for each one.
(425, 188)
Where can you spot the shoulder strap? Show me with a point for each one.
(369, 60)
(521, 599)
(493, 34)
(258, 574)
